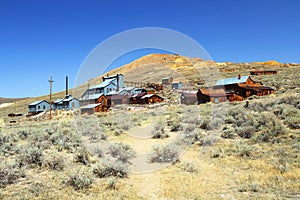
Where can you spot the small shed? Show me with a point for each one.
(151, 98)
(38, 106)
(189, 97)
(91, 108)
(167, 80)
(176, 85)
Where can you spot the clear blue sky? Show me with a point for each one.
(39, 38)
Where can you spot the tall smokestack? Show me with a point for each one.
(67, 83)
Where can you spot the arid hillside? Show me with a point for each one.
(192, 72)
(229, 150)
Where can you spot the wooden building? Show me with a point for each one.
(109, 84)
(176, 85)
(94, 99)
(136, 98)
(241, 87)
(263, 72)
(189, 97)
(67, 103)
(38, 106)
(151, 98)
(117, 99)
(211, 95)
(167, 80)
(91, 108)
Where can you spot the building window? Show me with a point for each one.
(39, 107)
(73, 105)
(44, 107)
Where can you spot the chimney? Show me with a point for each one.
(239, 76)
(67, 82)
(118, 86)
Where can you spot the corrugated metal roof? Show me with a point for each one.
(36, 102)
(91, 97)
(229, 81)
(102, 85)
(89, 106)
(58, 100)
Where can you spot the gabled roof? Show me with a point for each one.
(37, 102)
(91, 97)
(102, 85)
(229, 81)
(58, 100)
(147, 96)
(189, 93)
(89, 106)
(213, 92)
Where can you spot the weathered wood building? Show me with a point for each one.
(91, 108)
(211, 95)
(91, 100)
(189, 97)
(151, 98)
(263, 72)
(167, 80)
(241, 87)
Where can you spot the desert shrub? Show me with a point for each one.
(97, 151)
(37, 188)
(191, 137)
(30, 155)
(228, 132)
(208, 140)
(54, 162)
(188, 166)
(8, 144)
(245, 131)
(108, 168)
(188, 128)
(204, 123)
(217, 153)
(159, 131)
(122, 152)
(166, 154)
(24, 134)
(65, 139)
(111, 183)
(82, 156)
(79, 180)
(242, 149)
(291, 117)
(9, 173)
(174, 124)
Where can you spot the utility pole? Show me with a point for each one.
(51, 81)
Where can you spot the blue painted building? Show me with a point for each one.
(67, 103)
(176, 85)
(109, 84)
(38, 106)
